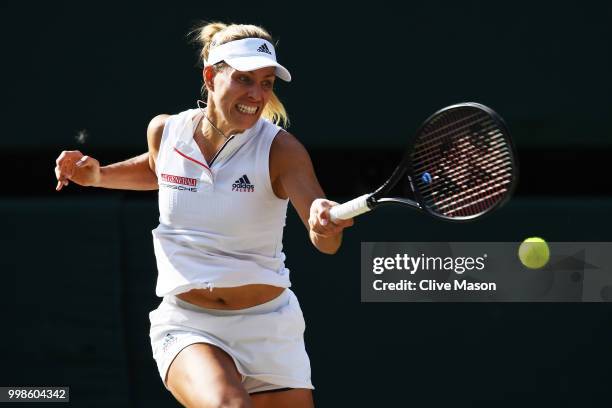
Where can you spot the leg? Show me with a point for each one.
(295, 398)
(203, 376)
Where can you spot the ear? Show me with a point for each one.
(209, 74)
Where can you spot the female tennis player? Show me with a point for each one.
(229, 331)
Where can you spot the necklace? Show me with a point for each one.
(210, 121)
(227, 139)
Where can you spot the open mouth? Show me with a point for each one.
(249, 110)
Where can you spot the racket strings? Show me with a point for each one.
(465, 197)
(438, 129)
(476, 199)
(499, 148)
(469, 193)
(432, 152)
(444, 141)
(466, 183)
(468, 160)
(471, 197)
(478, 166)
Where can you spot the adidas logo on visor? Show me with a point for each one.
(264, 48)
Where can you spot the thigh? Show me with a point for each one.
(295, 398)
(203, 375)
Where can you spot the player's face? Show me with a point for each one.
(240, 97)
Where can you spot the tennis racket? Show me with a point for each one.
(460, 166)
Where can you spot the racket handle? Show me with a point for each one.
(350, 209)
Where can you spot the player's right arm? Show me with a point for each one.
(137, 173)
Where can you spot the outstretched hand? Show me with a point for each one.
(77, 167)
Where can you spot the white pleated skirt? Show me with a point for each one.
(266, 341)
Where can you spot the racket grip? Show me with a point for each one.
(350, 209)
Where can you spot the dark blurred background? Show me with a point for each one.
(78, 268)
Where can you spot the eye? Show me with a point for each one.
(244, 79)
(268, 84)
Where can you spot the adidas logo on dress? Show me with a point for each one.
(243, 184)
(264, 48)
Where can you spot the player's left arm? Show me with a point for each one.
(293, 176)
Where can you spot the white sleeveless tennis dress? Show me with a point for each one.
(221, 225)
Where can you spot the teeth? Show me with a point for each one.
(247, 109)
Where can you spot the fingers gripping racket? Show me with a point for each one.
(461, 166)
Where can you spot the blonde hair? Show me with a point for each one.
(209, 35)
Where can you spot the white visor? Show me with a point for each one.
(248, 54)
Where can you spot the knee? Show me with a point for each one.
(226, 399)
(236, 401)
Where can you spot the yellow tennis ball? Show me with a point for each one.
(534, 253)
